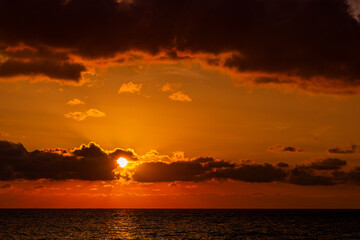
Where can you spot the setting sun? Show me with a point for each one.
(122, 162)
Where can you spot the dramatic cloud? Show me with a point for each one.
(88, 162)
(328, 164)
(205, 169)
(280, 148)
(75, 101)
(81, 116)
(338, 150)
(252, 173)
(64, 71)
(312, 44)
(180, 96)
(130, 87)
(91, 162)
(304, 176)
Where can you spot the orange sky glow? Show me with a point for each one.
(139, 111)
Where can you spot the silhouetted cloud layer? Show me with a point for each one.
(91, 162)
(313, 44)
(339, 150)
(328, 164)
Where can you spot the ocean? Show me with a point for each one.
(178, 224)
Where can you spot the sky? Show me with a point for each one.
(213, 103)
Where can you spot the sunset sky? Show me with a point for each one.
(214, 103)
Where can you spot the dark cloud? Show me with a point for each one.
(51, 69)
(354, 176)
(339, 150)
(328, 164)
(89, 162)
(306, 177)
(280, 148)
(202, 169)
(282, 165)
(175, 171)
(22, 60)
(252, 173)
(310, 43)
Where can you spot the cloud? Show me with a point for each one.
(328, 164)
(306, 177)
(339, 150)
(280, 148)
(180, 96)
(78, 116)
(130, 87)
(282, 165)
(309, 44)
(167, 88)
(75, 101)
(353, 176)
(88, 162)
(95, 113)
(81, 116)
(91, 162)
(252, 173)
(170, 87)
(21, 60)
(202, 169)
(62, 71)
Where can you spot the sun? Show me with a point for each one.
(122, 162)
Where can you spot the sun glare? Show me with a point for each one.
(122, 162)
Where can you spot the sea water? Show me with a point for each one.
(178, 224)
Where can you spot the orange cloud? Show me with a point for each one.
(180, 96)
(75, 101)
(80, 116)
(130, 87)
(166, 88)
(95, 113)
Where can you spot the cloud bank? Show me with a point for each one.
(91, 162)
(88, 162)
(311, 44)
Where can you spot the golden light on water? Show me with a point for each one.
(122, 162)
